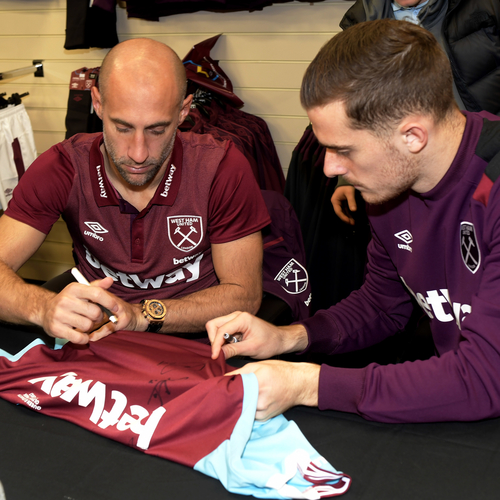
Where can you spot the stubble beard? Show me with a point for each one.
(399, 174)
(146, 177)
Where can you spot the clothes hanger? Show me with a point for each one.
(13, 99)
(16, 98)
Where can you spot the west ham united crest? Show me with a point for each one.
(293, 277)
(185, 231)
(469, 247)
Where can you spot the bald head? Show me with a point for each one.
(143, 62)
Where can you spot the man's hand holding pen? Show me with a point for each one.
(256, 337)
(84, 312)
(74, 313)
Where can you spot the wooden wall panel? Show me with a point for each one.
(265, 53)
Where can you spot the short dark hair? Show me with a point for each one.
(382, 71)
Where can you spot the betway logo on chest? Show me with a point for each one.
(437, 304)
(190, 271)
(134, 417)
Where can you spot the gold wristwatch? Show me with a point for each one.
(154, 311)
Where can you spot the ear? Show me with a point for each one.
(96, 101)
(186, 106)
(414, 135)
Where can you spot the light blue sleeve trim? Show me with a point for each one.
(59, 343)
(259, 458)
(20, 354)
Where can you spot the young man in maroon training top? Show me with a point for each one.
(165, 225)
(379, 97)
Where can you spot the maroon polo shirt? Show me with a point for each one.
(208, 195)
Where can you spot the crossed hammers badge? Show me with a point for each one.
(471, 254)
(185, 232)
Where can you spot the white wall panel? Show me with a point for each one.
(41, 22)
(29, 5)
(45, 139)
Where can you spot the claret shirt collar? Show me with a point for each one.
(104, 192)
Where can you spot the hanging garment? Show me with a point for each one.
(284, 274)
(199, 122)
(258, 138)
(204, 71)
(89, 25)
(266, 153)
(335, 251)
(218, 104)
(165, 396)
(251, 136)
(80, 116)
(155, 9)
(17, 149)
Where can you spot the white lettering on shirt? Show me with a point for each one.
(185, 259)
(168, 182)
(102, 193)
(437, 304)
(133, 281)
(69, 386)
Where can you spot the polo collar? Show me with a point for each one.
(106, 195)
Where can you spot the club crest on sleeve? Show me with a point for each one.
(185, 231)
(471, 254)
(293, 277)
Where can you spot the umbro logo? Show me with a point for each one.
(406, 237)
(95, 230)
(96, 227)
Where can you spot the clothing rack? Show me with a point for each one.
(37, 68)
(13, 99)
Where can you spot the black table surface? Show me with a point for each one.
(45, 458)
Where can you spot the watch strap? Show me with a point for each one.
(154, 326)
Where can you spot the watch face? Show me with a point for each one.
(156, 309)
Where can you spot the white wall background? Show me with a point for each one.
(264, 53)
